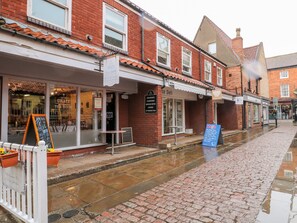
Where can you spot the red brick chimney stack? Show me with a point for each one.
(237, 44)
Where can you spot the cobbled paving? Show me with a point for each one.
(228, 189)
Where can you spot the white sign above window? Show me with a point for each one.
(111, 71)
(239, 100)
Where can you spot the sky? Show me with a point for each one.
(272, 22)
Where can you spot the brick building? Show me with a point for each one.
(92, 66)
(246, 73)
(282, 73)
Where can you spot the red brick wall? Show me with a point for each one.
(214, 68)
(275, 82)
(233, 79)
(195, 115)
(147, 128)
(229, 116)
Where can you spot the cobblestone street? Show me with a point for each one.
(230, 188)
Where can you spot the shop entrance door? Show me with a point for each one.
(110, 114)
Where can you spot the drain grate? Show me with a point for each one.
(70, 214)
(53, 217)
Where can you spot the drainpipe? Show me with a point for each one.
(243, 106)
(200, 64)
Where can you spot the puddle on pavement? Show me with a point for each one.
(103, 190)
(280, 205)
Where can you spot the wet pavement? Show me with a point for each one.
(96, 193)
(179, 186)
(280, 205)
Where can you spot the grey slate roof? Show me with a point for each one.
(287, 60)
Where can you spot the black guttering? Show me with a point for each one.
(142, 11)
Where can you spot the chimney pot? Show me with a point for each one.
(238, 32)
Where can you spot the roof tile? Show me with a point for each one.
(51, 39)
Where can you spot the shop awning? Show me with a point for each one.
(188, 88)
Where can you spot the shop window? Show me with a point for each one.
(187, 61)
(24, 98)
(219, 77)
(207, 71)
(115, 28)
(256, 113)
(90, 116)
(63, 115)
(163, 50)
(173, 115)
(55, 14)
(284, 88)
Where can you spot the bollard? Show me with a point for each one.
(275, 122)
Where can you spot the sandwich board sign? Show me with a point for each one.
(37, 129)
(212, 135)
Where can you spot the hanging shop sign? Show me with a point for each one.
(150, 102)
(111, 68)
(217, 96)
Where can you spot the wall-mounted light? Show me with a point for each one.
(148, 60)
(200, 96)
(125, 96)
(176, 69)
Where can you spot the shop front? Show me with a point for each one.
(64, 85)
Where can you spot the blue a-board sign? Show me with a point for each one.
(212, 135)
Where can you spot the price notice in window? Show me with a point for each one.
(150, 102)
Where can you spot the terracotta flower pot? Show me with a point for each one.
(10, 159)
(53, 158)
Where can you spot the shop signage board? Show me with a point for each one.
(212, 135)
(111, 69)
(150, 103)
(37, 129)
(14, 178)
(239, 100)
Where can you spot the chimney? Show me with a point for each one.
(237, 44)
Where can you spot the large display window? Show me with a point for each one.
(173, 115)
(24, 98)
(70, 128)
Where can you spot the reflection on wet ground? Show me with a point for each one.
(98, 192)
(280, 205)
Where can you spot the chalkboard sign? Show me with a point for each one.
(37, 129)
(127, 136)
(150, 103)
(212, 135)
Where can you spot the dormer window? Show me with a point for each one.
(212, 48)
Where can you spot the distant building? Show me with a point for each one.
(282, 73)
(246, 70)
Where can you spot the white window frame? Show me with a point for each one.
(212, 48)
(189, 53)
(39, 21)
(168, 53)
(284, 74)
(173, 116)
(281, 91)
(220, 76)
(125, 33)
(289, 174)
(207, 71)
(288, 157)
